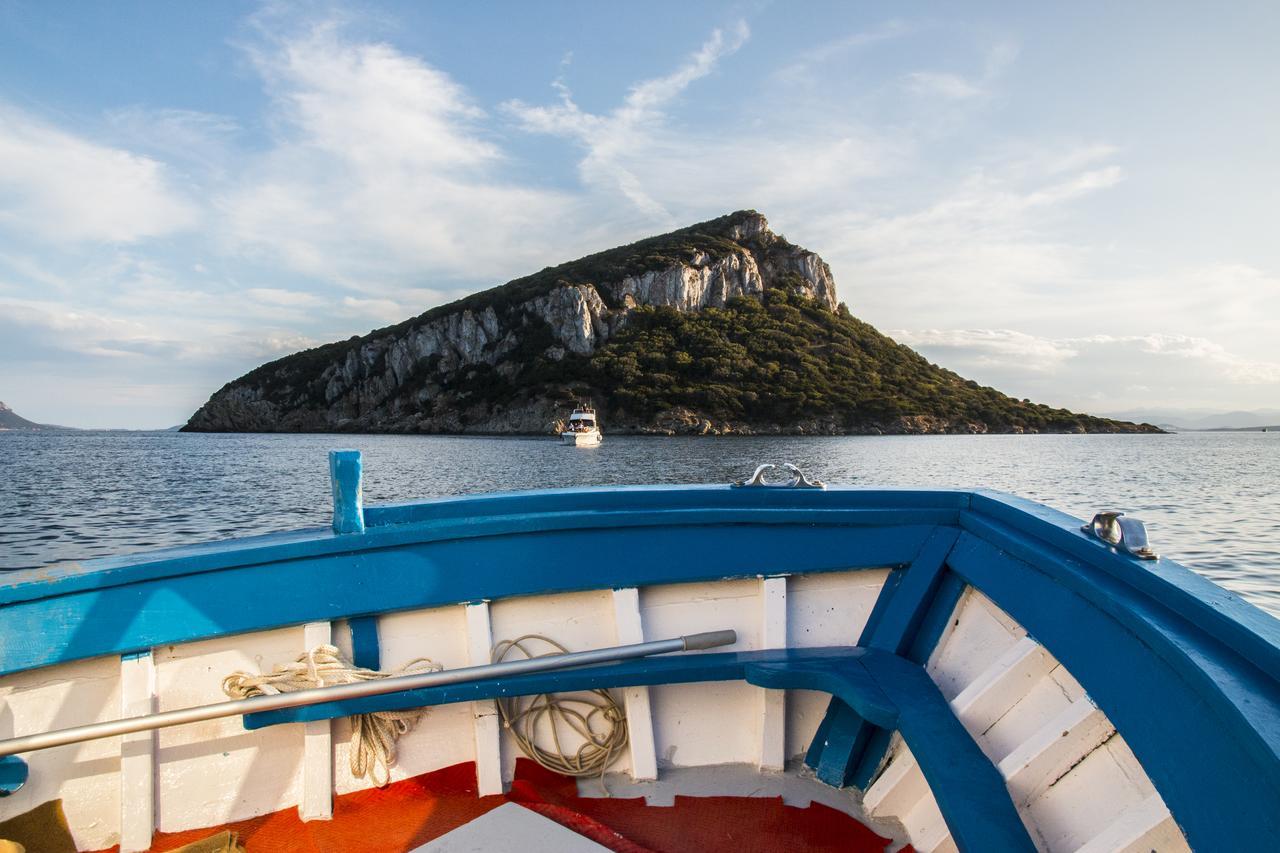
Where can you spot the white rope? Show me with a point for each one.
(373, 735)
(599, 722)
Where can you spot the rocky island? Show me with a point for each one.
(720, 328)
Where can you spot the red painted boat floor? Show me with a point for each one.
(410, 813)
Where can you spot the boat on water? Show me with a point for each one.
(582, 430)
(765, 665)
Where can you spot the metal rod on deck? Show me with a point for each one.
(376, 687)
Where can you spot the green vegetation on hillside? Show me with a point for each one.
(782, 361)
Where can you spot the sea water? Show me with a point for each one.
(1210, 500)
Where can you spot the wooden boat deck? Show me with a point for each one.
(406, 815)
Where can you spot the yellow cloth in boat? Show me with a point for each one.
(41, 830)
(224, 842)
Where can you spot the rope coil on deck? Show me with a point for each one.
(600, 722)
(373, 735)
(595, 717)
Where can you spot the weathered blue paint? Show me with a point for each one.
(882, 603)
(366, 651)
(1216, 611)
(1188, 672)
(1204, 723)
(871, 756)
(345, 469)
(13, 774)
(910, 601)
(843, 737)
(32, 584)
(880, 687)
(466, 566)
(964, 783)
(936, 618)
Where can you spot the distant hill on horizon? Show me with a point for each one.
(1203, 419)
(11, 420)
(720, 328)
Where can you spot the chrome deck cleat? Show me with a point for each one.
(1122, 532)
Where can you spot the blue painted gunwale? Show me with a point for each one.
(1148, 641)
(120, 605)
(847, 740)
(1202, 719)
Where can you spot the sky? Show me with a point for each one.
(1074, 203)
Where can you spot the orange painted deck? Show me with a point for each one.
(407, 814)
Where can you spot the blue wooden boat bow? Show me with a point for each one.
(1188, 673)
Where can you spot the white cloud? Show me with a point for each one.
(383, 310)
(941, 84)
(281, 297)
(970, 250)
(1100, 372)
(381, 169)
(989, 347)
(957, 87)
(65, 189)
(614, 141)
(202, 139)
(801, 70)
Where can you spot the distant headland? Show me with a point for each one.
(11, 420)
(720, 328)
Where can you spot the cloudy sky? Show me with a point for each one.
(1072, 202)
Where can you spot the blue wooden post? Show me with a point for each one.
(13, 774)
(345, 468)
(846, 750)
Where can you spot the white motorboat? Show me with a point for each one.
(582, 429)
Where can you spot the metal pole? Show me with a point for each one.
(377, 687)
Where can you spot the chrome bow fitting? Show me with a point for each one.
(798, 479)
(1122, 533)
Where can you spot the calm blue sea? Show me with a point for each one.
(1211, 500)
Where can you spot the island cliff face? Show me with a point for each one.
(722, 327)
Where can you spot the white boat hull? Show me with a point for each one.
(582, 439)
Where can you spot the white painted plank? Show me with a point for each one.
(1147, 826)
(773, 703)
(644, 756)
(317, 745)
(1060, 744)
(999, 687)
(933, 836)
(899, 787)
(137, 754)
(488, 727)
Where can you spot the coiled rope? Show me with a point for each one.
(373, 735)
(600, 722)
